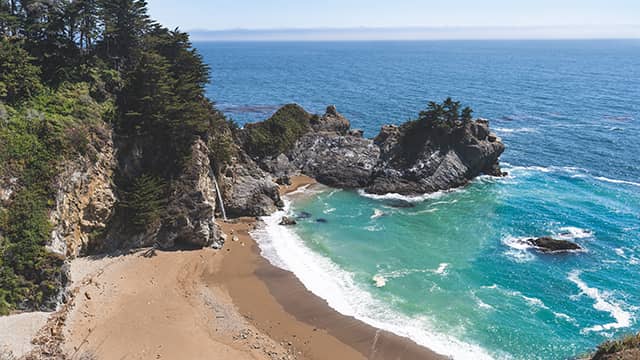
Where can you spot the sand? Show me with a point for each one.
(16, 331)
(210, 304)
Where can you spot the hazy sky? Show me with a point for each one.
(597, 15)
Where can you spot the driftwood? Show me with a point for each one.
(151, 252)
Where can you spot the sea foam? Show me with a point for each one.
(283, 248)
(601, 303)
(407, 198)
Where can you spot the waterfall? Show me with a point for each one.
(224, 213)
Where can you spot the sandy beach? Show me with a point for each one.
(207, 304)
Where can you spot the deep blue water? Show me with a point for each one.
(451, 272)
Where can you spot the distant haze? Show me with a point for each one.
(421, 33)
(400, 19)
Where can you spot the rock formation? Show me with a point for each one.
(85, 196)
(415, 161)
(190, 215)
(247, 189)
(407, 159)
(551, 245)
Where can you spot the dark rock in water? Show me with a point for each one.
(398, 203)
(303, 215)
(287, 221)
(416, 159)
(549, 244)
(322, 220)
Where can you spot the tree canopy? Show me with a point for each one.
(68, 67)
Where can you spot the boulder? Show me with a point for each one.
(287, 221)
(549, 244)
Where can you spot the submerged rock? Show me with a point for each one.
(322, 220)
(303, 215)
(549, 244)
(399, 203)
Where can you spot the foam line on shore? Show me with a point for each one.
(283, 248)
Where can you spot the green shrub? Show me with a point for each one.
(278, 133)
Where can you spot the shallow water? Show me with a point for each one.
(452, 271)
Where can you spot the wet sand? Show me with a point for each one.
(208, 304)
(278, 304)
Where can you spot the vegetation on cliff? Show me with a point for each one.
(66, 70)
(627, 348)
(279, 133)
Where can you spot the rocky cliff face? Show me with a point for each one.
(401, 159)
(429, 161)
(85, 196)
(190, 217)
(248, 190)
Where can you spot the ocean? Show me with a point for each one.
(451, 272)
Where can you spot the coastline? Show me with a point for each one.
(277, 303)
(223, 304)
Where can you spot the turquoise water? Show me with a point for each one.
(451, 272)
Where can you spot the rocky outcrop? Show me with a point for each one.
(331, 121)
(550, 245)
(190, 217)
(417, 161)
(287, 221)
(408, 159)
(247, 189)
(85, 196)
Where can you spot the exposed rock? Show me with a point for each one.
(409, 159)
(248, 190)
(284, 180)
(331, 121)
(190, 213)
(8, 186)
(85, 196)
(280, 166)
(416, 161)
(287, 221)
(548, 244)
(336, 160)
(356, 132)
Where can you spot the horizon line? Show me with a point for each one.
(505, 32)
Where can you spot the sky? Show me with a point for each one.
(266, 19)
